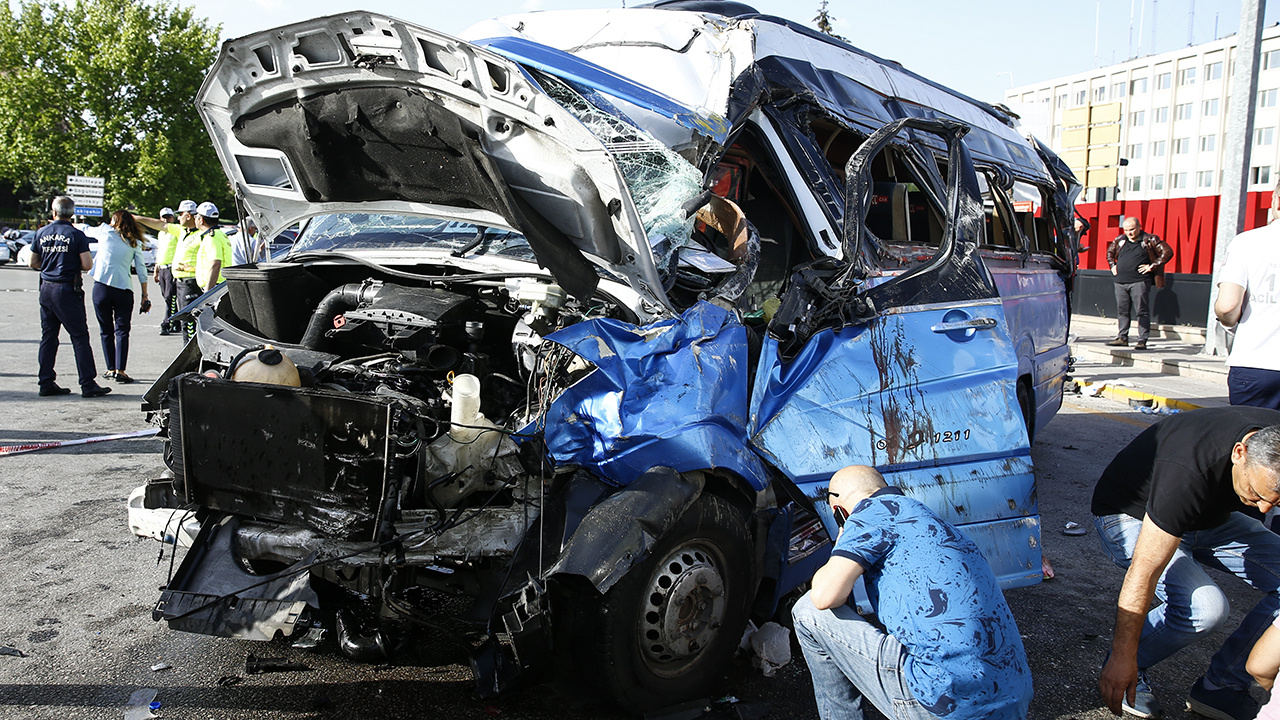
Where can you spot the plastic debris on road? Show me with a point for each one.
(11, 651)
(1074, 529)
(1046, 569)
(139, 705)
(772, 647)
(254, 665)
(160, 666)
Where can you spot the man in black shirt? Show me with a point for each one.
(1173, 499)
(1136, 259)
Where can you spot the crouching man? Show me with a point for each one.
(952, 649)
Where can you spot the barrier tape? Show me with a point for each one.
(32, 447)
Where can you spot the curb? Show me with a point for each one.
(1124, 394)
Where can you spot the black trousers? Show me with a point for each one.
(114, 308)
(188, 290)
(62, 305)
(168, 291)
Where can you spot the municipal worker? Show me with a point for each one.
(61, 253)
(213, 250)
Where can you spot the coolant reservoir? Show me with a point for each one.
(269, 366)
(466, 408)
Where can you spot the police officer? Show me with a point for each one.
(176, 243)
(61, 253)
(214, 248)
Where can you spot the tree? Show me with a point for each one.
(107, 87)
(824, 19)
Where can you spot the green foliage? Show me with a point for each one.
(823, 21)
(107, 87)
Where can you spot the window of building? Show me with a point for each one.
(1157, 148)
(1138, 118)
(1271, 59)
(1213, 71)
(1080, 97)
(1204, 179)
(1208, 143)
(1264, 136)
(1267, 98)
(1100, 93)
(1157, 182)
(1182, 146)
(1117, 91)
(1179, 180)
(1135, 184)
(1260, 175)
(1183, 111)
(1164, 81)
(1062, 100)
(1187, 76)
(1134, 151)
(1211, 107)
(1138, 86)
(1160, 115)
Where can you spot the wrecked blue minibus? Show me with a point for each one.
(584, 312)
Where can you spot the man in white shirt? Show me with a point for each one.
(1249, 300)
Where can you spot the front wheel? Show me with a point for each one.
(665, 632)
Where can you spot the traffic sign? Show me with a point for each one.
(87, 191)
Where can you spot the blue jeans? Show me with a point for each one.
(849, 659)
(1192, 604)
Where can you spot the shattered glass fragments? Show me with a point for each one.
(660, 180)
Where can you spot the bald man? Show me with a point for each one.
(1137, 260)
(952, 649)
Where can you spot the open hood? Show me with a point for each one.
(364, 113)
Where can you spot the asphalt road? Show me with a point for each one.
(77, 588)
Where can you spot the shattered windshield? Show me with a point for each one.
(370, 231)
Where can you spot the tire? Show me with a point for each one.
(1026, 401)
(635, 642)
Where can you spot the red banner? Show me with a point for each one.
(1189, 225)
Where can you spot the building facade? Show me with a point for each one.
(1166, 115)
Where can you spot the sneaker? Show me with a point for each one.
(95, 391)
(1119, 342)
(1140, 345)
(1145, 704)
(53, 390)
(1221, 704)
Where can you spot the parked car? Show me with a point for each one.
(565, 353)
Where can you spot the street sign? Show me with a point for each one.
(87, 192)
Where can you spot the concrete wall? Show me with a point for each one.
(1184, 300)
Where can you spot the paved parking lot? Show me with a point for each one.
(78, 587)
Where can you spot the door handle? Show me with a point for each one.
(982, 323)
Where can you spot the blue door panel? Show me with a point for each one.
(892, 394)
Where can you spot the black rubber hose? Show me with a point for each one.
(343, 297)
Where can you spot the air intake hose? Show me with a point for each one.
(340, 299)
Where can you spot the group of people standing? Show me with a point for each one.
(191, 252)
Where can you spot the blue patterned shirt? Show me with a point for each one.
(935, 593)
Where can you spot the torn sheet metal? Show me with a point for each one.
(581, 72)
(671, 394)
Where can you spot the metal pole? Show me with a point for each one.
(1236, 154)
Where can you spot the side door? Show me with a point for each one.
(898, 355)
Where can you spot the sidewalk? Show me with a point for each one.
(1171, 373)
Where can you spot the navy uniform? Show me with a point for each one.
(59, 246)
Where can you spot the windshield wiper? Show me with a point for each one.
(475, 242)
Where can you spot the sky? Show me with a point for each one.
(979, 48)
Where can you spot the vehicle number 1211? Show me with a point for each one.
(951, 436)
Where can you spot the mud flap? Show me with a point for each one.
(620, 531)
(212, 595)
